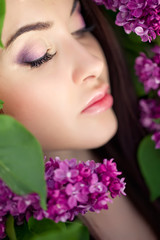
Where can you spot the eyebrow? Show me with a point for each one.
(39, 26)
(31, 27)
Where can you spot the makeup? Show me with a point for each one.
(100, 105)
(30, 54)
(99, 102)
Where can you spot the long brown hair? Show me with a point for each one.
(123, 147)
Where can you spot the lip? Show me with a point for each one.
(99, 102)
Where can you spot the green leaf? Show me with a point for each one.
(10, 228)
(47, 229)
(1, 104)
(157, 40)
(45, 225)
(21, 159)
(149, 162)
(157, 120)
(2, 15)
(74, 232)
(23, 232)
(84, 234)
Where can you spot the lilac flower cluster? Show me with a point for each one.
(150, 112)
(73, 188)
(139, 16)
(148, 71)
(109, 4)
(77, 188)
(19, 207)
(156, 138)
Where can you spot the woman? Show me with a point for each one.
(60, 64)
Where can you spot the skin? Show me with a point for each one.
(48, 100)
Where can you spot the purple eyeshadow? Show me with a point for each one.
(26, 56)
(30, 55)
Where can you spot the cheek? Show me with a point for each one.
(36, 103)
(16, 98)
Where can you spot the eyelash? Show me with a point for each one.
(37, 63)
(47, 57)
(84, 30)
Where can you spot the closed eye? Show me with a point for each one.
(84, 30)
(38, 62)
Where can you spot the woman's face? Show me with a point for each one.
(51, 72)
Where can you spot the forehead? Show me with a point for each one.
(24, 12)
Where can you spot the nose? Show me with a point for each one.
(86, 61)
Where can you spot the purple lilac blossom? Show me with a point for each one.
(148, 70)
(156, 138)
(73, 188)
(109, 4)
(150, 117)
(139, 16)
(149, 112)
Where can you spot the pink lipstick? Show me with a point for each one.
(99, 103)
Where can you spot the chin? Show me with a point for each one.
(102, 135)
(104, 132)
(92, 135)
(98, 142)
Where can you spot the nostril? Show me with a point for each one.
(89, 77)
(87, 72)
